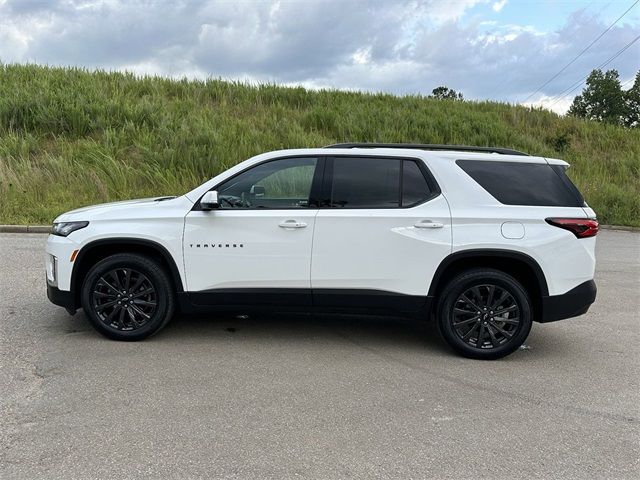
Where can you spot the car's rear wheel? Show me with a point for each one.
(484, 314)
(128, 297)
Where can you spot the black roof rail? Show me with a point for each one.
(429, 146)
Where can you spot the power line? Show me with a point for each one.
(577, 84)
(581, 52)
(497, 89)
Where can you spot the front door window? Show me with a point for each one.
(280, 184)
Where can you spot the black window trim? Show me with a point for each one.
(428, 176)
(320, 194)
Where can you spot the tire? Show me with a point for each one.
(468, 317)
(146, 302)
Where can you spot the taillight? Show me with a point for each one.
(580, 227)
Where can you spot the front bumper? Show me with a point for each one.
(60, 249)
(571, 304)
(62, 298)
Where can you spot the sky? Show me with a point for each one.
(503, 50)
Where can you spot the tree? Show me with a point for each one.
(632, 104)
(445, 93)
(603, 100)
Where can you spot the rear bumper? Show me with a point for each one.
(62, 298)
(571, 304)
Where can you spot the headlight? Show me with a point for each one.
(65, 228)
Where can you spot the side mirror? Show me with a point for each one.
(258, 191)
(209, 201)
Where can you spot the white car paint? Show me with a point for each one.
(379, 249)
(248, 249)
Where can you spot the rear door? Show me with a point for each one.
(383, 230)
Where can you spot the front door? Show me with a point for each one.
(256, 248)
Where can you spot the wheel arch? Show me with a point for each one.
(517, 264)
(98, 249)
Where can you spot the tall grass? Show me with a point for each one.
(69, 137)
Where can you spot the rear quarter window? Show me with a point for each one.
(515, 183)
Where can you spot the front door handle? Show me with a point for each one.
(292, 224)
(428, 224)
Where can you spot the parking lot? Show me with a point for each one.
(314, 396)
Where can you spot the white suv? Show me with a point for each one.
(483, 240)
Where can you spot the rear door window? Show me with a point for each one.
(370, 182)
(515, 183)
(364, 182)
(415, 188)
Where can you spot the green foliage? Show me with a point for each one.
(632, 104)
(445, 93)
(70, 138)
(603, 100)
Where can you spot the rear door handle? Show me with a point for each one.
(428, 224)
(292, 224)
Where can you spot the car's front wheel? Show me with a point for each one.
(484, 314)
(128, 297)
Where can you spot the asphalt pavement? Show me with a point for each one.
(315, 396)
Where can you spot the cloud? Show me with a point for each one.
(378, 45)
(499, 5)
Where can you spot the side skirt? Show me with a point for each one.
(305, 300)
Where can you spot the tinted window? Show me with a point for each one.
(282, 183)
(414, 186)
(360, 182)
(514, 183)
(561, 171)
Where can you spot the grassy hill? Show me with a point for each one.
(69, 137)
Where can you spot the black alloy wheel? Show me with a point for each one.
(484, 314)
(128, 296)
(124, 299)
